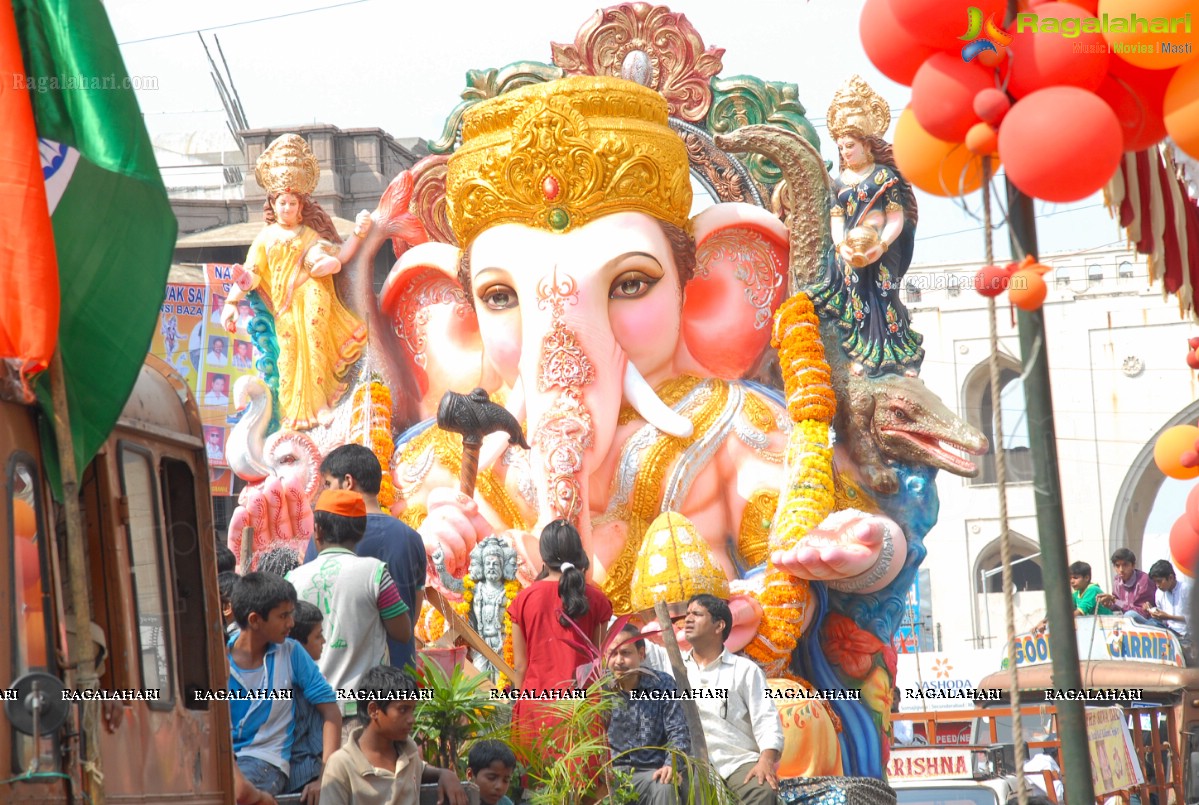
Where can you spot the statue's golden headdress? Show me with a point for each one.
(859, 110)
(559, 154)
(287, 166)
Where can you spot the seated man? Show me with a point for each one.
(1173, 601)
(644, 720)
(1086, 594)
(741, 725)
(1131, 589)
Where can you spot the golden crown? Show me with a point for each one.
(857, 109)
(287, 166)
(560, 154)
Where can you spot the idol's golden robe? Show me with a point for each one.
(318, 338)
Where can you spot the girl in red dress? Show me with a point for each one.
(541, 635)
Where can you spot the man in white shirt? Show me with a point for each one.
(218, 392)
(216, 450)
(1173, 601)
(741, 725)
(217, 356)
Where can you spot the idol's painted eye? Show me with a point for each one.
(632, 285)
(498, 297)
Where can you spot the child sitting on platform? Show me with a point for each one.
(490, 766)
(380, 764)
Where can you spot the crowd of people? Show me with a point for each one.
(1160, 598)
(337, 632)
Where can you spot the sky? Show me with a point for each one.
(401, 67)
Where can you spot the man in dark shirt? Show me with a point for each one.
(1132, 589)
(646, 718)
(356, 468)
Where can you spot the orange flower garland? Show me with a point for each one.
(808, 497)
(370, 425)
(511, 588)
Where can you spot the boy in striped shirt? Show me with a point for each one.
(360, 603)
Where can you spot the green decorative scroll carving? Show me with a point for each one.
(744, 100)
(484, 84)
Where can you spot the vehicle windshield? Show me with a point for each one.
(979, 795)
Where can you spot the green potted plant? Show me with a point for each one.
(457, 707)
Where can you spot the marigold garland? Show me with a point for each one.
(809, 495)
(370, 425)
(511, 588)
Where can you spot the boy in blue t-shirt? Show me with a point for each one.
(262, 659)
(306, 763)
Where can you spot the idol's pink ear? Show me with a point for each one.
(740, 280)
(435, 322)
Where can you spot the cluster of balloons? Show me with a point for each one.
(1057, 110)
(1023, 281)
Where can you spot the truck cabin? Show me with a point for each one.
(1163, 723)
(149, 557)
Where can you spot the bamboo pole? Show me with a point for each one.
(82, 655)
(699, 745)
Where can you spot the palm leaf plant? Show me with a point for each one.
(458, 707)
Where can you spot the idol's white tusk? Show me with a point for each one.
(647, 403)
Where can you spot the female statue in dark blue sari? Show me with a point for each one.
(873, 218)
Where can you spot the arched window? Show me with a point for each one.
(1095, 274)
(1126, 270)
(980, 412)
(1026, 566)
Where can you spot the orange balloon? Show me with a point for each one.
(933, 165)
(24, 520)
(982, 140)
(1027, 289)
(1158, 49)
(1180, 111)
(1168, 450)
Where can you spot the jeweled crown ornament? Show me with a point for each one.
(859, 110)
(287, 166)
(559, 154)
(674, 564)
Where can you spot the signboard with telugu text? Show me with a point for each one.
(1114, 766)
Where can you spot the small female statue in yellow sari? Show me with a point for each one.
(291, 264)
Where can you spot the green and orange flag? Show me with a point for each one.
(86, 230)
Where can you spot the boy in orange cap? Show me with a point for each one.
(357, 596)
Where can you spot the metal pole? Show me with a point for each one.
(1051, 524)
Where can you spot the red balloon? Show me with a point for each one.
(943, 95)
(939, 23)
(991, 280)
(1146, 91)
(890, 48)
(1046, 134)
(1042, 59)
(1192, 508)
(991, 105)
(1184, 545)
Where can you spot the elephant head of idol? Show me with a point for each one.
(581, 283)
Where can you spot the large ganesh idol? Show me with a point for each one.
(618, 329)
